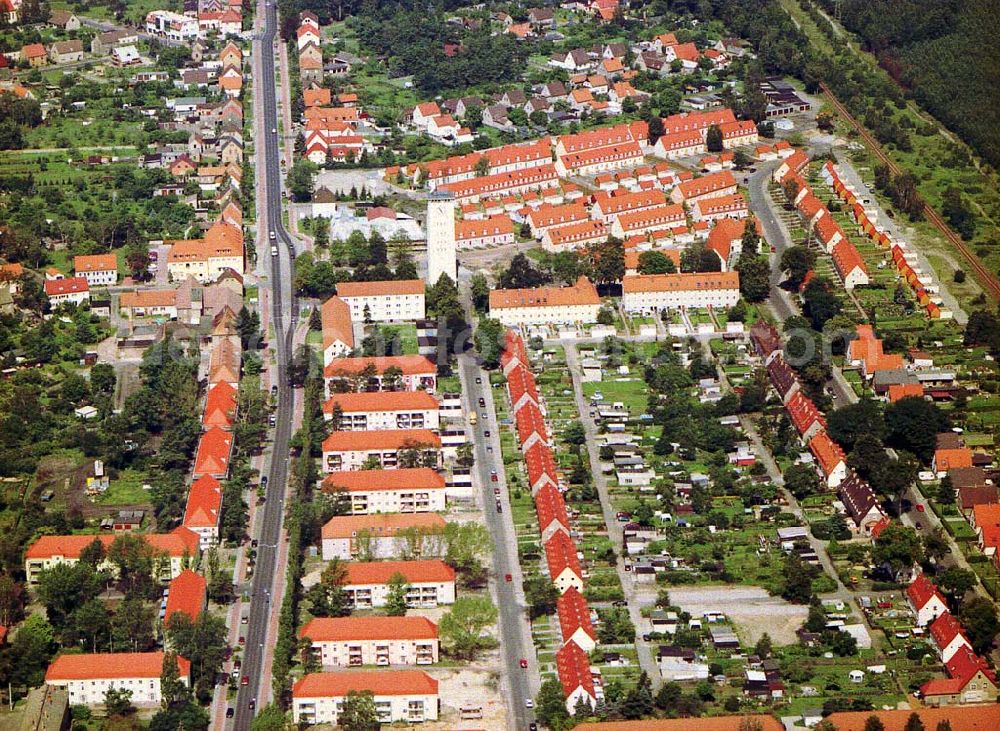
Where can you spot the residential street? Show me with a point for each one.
(646, 661)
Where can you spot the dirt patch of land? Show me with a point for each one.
(751, 609)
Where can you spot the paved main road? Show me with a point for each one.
(271, 562)
(775, 233)
(515, 632)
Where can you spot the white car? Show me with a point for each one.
(274, 251)
(528, 703)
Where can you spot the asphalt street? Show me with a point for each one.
(515, 634)
(775, 233)
(268, 572)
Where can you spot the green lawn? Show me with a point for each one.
(126, 489)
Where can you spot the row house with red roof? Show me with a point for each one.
(379, 641)
(382, 410)
(714, 209)
(391, 449)
(180, 546)
(429, 583)
(478, 234)
(592, 161)
(187, 594)
(386, 373)
(403, 696)
(574, 236)
(639, 222)
(382, 535)
(499, 184)
(926, 602)
(548, 217)
(88, 677)
(713, 185)
(405, 490)
(73, 290)
(203, 512)
(578, 679)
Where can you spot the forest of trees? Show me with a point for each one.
(936, 51)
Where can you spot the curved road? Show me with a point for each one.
(268, 573)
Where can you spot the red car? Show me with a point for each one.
(245, 680)
(493, 478)
(524, 663)
(508, 577)
(920, 508)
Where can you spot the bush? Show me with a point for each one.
(959, 276)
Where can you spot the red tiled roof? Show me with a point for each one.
(560, 554)
(188, 593)
(68, 285)
(921, 591)
(373, 401)
(381, 288)
(987, 519)
(381, 525)
(108, 665)
(336, 323)
(583, 292)
(366, 441)
(204, 503)
(945, 628)
(343, 629)
(550, 507)
(899, 391)
(213, 454)
(540, 462)
(573, 667)
(380, 682)
(415, 478)
(948, 459)
(530, 421)
(95, 263)
(960, 718)
(965, 663)
(827, 452)
(177, 543)
(804, 413)
(415, 572)
(220, 406)
(574, 614)
(707, 184)
(410, 365)
(680, 282)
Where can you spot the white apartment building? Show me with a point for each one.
(346, 450)
(382, 535)
(546, 305)
(356, 641)
(87, 677)
(381, 410)
(651, 293)
(428, 583)
(68, 289)
(384, 301)
(171, 25)
(180, 546)
(100, 270)
(409, 696)
(413, 490)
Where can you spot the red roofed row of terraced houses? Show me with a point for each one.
(578, 679)
(906, 262)
(847, 260)
(970, 678)
(856, 494)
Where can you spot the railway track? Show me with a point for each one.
(983, 275)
